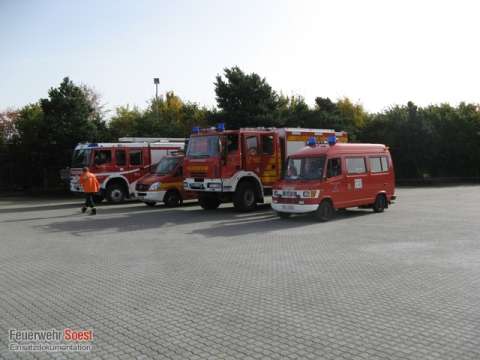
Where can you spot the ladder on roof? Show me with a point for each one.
(150, 140)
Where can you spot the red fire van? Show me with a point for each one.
(323, 178)
(164, 183)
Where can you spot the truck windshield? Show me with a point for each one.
(81, 158)
(310, 168)
(203, 146)
(166, 165)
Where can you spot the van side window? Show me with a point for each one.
(267, 144)
(136, 157)
(356, 165)
(334, 167)
(384, 163)
(120, 157)
(375, 164)
(378, 164)
(103, 157)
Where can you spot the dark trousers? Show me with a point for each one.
(89, 200)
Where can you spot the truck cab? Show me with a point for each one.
(322, 178)
(164, 183)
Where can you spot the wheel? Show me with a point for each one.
(172, 198)
(380, 203)
(209, 201)
(116, 193)
(325, 211)
(150, 203)
(97, 199)
(244, 198)
(283, 215)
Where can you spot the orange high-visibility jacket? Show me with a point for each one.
(89, 182)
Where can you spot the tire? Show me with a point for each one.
(380, 203)
(283, 215)
(244, 198)
(116, 193)
(209, 201)
(172, 198)
(97, 199)
(325, 211)
(150, 203)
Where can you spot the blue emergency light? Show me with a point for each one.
(92, 145)
(221, 127)
(311, 141)
(196, 129)
(332, 140)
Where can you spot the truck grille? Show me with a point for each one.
(142, 187)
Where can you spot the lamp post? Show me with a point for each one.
(156, 81)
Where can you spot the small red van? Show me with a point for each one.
(164, 183)
(322, 178)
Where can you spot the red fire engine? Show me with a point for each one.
(321, 178)
(241, 165)
(118, 166)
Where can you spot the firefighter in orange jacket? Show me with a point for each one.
(90, 187)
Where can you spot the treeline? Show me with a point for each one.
(37, 140)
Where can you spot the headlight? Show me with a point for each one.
(276, 193)
(154, 187)
(310, 193)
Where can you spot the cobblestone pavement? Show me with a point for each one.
(158, 283)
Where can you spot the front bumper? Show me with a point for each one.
(150, 196)
(208, 185)
(294, 208)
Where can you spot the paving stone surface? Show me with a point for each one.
(183, 283)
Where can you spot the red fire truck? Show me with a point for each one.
(322, 178)
(241, 165)
(118, 166)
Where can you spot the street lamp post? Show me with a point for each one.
(156, 81)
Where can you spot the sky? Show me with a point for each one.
(378, 53)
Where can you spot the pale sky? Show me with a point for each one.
(378, 53)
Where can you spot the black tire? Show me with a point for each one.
(172, 199)
(325, 211)
(283, 215)
(97, 199)
(116, 193)
(209, 201)
(150, 203)
(380, 203)
(245, 198)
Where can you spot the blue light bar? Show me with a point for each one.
(332, 140)
(196, 129)
(221, 127)
(311, 141)
(92, 145)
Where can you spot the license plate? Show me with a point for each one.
(287, 207)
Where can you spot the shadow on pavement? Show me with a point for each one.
(225, 221)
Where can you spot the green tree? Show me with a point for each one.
(246, 100)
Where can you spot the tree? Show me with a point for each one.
(246, 99)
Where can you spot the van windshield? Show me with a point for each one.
(203, 146)
(81, 158)
(166, 165)
(309, 168)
